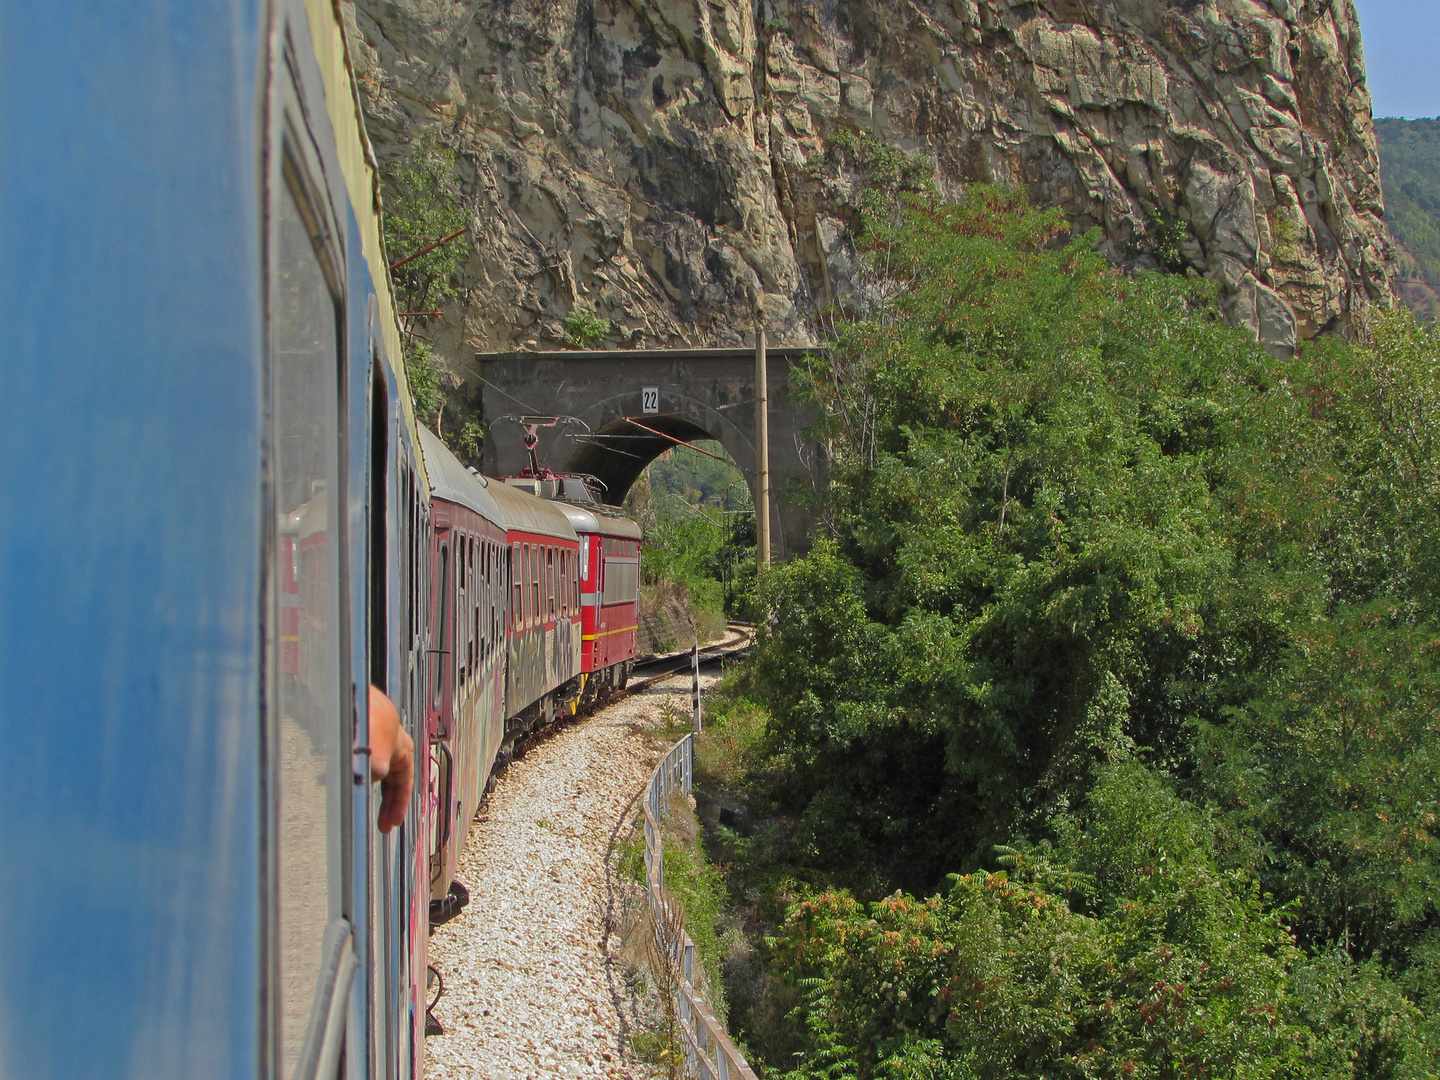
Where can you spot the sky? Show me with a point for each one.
(1402, 55)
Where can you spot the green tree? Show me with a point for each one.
(422, 208)
(1091, 548)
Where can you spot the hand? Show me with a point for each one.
(392, 760)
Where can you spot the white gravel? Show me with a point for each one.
(530, 990)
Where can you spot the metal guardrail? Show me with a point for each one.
(709, 1052)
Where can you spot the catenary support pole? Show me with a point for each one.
(762, 452)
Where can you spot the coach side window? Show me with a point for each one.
(534, 583)
(443, 626)
(516, 589)
(310, 728)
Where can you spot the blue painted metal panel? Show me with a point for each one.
(130, 432)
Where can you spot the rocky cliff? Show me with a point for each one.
(676, 166)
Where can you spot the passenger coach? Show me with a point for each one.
(220, 525)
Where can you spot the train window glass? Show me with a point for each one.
(473, 602)
(529, 584)
(550, 582)
(311, 729)
(488, 599)
(500, 587)
(462, 570)
(515, 588)
(443, 637)
(535, 583)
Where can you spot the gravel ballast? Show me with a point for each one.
(531, 991)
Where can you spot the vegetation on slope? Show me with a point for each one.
(1133, 628)
(1410, 167)
(422, 218)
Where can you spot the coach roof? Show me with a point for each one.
(585, 520)
(451, 481)
(525, 513)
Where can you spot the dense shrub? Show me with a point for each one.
(1103, 575)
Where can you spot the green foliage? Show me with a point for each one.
(471, 440)
(1340, 759)
(887, 174)
(1103, 572)
(424, 378)
(585, 329)
(700, 531)
(1127, 952)
(694, 884)
(1410, 165)
(883, 165)
(421, 207)
(1165, 237)
(685, 476)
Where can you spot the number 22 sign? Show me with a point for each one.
(650, 399)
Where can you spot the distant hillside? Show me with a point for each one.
(1410, 167)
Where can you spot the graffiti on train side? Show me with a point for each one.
(541, 659)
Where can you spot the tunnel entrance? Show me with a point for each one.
(685, 394)
(621, 450)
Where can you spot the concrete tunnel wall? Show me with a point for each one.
(703, 394)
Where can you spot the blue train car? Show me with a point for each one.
(214, 533)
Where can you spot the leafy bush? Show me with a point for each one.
(421, 207)
(1103, 574)
(1128, 952)
(585, 329)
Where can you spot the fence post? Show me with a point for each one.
(709, 1052)
(695, 678)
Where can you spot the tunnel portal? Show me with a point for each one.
(620, 409)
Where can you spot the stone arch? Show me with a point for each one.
(617, 450)
(703, 394)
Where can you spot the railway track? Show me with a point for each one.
(536, 970)
(735, 643)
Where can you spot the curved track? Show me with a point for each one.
(534, 989)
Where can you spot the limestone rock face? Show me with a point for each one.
(671, 164)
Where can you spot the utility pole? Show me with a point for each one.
(762, 452)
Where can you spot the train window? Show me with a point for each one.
(472, 648)
(516, 589)
(550, 582)
(443, 593)
(462, 570)
(310, 730)
(499, 614)
(534, 583)
(530, 606)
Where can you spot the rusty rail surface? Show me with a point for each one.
(709, 1052)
